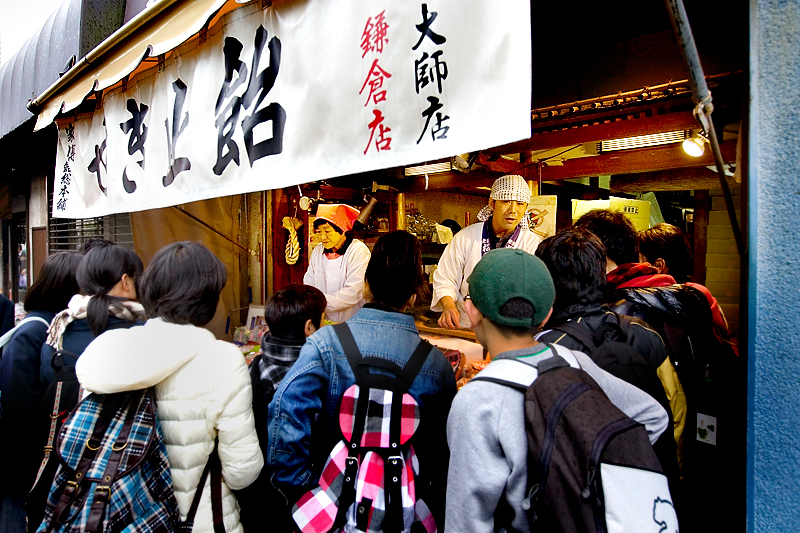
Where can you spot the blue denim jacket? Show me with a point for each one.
(310, 393)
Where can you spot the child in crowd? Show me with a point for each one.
(293, 314)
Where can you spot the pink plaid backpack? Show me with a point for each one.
(368, 482)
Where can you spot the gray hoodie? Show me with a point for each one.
(488, 446)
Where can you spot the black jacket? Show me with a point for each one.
(641, 336)
(20, 394)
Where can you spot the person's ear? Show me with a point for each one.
(491, 203)
(474, 315)
(128, 286)
(661, 266)
(549, 314)
(309, 328)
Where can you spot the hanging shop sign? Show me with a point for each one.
(299, 92)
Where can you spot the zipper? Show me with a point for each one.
(598, 447)
(572, 392)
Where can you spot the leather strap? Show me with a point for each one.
(214, 467)
(102, 491)
(216, 491)
(51, 434)
(76, 484)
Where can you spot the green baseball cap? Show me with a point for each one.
(508, 273)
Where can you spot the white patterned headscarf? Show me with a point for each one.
(505, 188)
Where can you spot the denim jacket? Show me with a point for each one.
(310, 393)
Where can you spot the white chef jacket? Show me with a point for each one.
(340, 279)
(458, 261)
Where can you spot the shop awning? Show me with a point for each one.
(152, 33)
(38, 64)
(196, 99)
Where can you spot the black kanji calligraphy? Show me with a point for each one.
(438, 131)
(180, 164)
(261, 85)
(228, 117)
(136, 128)
(99, 162)
(425, 28)
(425, 74)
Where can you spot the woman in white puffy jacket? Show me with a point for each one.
(202, 385)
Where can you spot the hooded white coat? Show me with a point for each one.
(203, 392)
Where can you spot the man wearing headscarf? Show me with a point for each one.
(337, 265)
(504, 224)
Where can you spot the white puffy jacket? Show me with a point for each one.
(203, 392)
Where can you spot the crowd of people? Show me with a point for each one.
(275, 423)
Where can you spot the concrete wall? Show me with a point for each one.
(773, 332)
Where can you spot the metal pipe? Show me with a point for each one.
(702, 98)
(34, 106)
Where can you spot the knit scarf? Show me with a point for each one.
(77, 310)
(637, 275)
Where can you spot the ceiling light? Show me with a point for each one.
(694, 145)
(428, 169)
(642, 141)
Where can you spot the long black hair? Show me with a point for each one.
(100, 270)
(55, 283)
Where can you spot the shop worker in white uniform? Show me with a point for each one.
(503, 225)
(338, 263)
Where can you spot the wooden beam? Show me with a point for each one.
(609, 129)
(633, 162)
(683, 179)
(450, 180)
(623, 162)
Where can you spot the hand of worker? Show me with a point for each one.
(450, 317)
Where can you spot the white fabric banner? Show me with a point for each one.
(300, 92)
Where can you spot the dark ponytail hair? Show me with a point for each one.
(99, 271)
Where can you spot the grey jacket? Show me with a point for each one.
(488, 447)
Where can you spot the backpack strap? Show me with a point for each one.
(75, 487)
(102, 491)
(6, 338)
(214, 466)
(393, 461)
(518, 374)
(579, 333)
(349, 347)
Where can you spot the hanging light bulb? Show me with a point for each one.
(694, 145)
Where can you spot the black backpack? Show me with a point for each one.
(714, 380)
(608, 347)
(590, 467)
